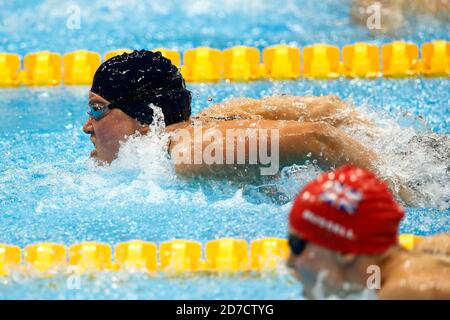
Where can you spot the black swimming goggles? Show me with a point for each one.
(98, 111)
(296, 244)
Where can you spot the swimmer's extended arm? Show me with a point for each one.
(330, 146)
(296, 143)
(329, 109)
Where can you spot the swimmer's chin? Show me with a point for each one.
(95, 158)
(100, 161)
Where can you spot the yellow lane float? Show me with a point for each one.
(361, 60)
(90, 256)
(202, 65)
(227, 255)
(9, 69)
(9, 258)
(436, 58)
(80, 67)
(42, 69)
(180, 256)
(400, 59)
(282, 62)
(321, 61)
(268, 253)
(136, 255)
(45, 256)
(241, 63)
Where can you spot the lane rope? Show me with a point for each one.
(363, 60)
(227, 255)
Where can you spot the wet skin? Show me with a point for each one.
(315, 136)
(318, 134)
(108, 132)
(418, 274)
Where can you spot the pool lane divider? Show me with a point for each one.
(363, 60)
(226, 255)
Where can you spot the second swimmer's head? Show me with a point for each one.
(124, 90)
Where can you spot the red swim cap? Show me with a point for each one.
(348, 210)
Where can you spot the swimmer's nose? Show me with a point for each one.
(88, 127)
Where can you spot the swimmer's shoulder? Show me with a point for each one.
(438, 245)
(418, 286)
(421, 273)
(179, 125)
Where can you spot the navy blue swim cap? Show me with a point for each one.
(133, 81)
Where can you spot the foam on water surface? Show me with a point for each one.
(51, 191)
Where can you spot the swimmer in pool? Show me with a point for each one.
(343, 230)
(125, 88)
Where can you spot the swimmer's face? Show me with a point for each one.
(319, 270)
(107, 132)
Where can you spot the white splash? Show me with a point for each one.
(417, 156)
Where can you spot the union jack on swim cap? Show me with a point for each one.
(348, 210)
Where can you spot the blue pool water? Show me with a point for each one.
(51, 191)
